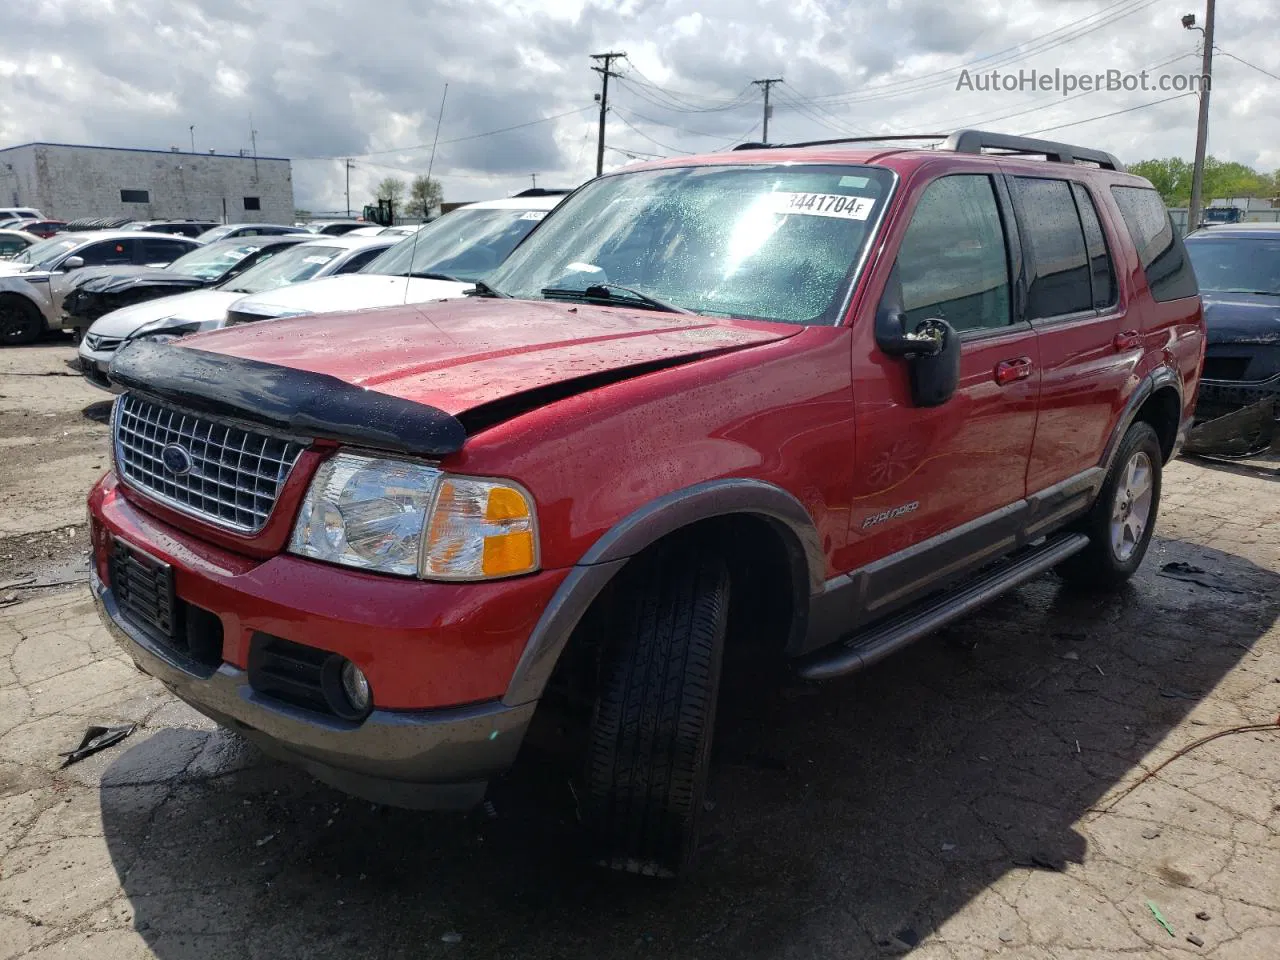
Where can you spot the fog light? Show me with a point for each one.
(356, 686)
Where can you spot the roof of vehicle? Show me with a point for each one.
(324, 223)
(517, 203)
(1020, 153)
(257, 240)
(1236, 230)
(21, 233)
(348, 242)
(90, 235)
(237, 226)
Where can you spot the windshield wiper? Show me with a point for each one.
(605, 293)
(482, 289)
(430, 275)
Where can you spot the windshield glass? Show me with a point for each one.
(1237, 264)
(211, 262)
(464, 244)
(766, 242)
(215, 233)
(292, 265)
(44, 254)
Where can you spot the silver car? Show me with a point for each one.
(171, 317)
(34, 282)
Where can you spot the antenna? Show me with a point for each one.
(413, 250)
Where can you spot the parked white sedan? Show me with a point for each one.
(171, 317)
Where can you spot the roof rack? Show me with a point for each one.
(977, 141)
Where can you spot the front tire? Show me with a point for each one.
(1121, 521)
(650, 738)
(20, 321)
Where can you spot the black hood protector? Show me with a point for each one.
(293, 401)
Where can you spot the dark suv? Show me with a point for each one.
(806, 402)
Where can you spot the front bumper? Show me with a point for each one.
(93, 365)
(429, 759)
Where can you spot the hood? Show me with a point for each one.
(1241, 318)
(458, 355)
(9, 269)
(199, 305)
(352, 291)
(120, 281)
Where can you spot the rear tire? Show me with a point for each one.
(650, 738)
(20, 321)
(1120, 523)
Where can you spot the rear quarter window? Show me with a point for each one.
(1160, 249)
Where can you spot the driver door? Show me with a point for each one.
(936, 488)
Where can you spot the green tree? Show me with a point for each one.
(1171, 177)
(392, 188)
(1222, 179)
(424, 196)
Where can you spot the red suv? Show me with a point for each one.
(812, 401)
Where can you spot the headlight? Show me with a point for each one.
(395, 516)
(166, 330)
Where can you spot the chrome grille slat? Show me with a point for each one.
(236, 474)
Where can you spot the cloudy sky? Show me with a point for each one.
(326, 79)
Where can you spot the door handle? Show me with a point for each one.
(1128, 340)
(1010, 371)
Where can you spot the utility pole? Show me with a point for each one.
(766, 84)
(253, 136)
(1202, 125)
(347, 164)
(192, 128)
(605, 73)
(534, 177)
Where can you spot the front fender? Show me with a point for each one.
(37, 293)
(644, 527)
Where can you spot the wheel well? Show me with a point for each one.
(9, 298)
(768, 587)
(1163, 411)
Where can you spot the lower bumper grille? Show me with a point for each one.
(144, 591)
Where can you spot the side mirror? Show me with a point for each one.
(73, 263)
(932, 350)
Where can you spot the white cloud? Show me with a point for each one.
(330, 78)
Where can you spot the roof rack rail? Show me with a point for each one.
(975, 141)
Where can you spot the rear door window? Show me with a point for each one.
(954, 262)
(1159, 247)
(162, 251)
(1057, 262)
(1101, 272)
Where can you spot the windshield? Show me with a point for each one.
(1220, 215)
(766, 242)
(465, 244)
(212, 262)
(289, 266)
(215, 233)
(1237, 264)
(44, 254)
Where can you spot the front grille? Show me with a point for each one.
(102, 344)
(220, 473)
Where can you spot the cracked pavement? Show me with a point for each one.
(965, 800)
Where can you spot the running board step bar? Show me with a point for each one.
(874, 644)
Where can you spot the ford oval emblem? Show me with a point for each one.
(176, 460)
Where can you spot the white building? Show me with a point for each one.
(66, 182)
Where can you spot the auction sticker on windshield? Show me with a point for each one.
(821, 204)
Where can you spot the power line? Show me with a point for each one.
(679, 95)
(669, 126)
(1076, 123)
(1253, 66)
(635, 129)
(1055, 38)
(473, 136)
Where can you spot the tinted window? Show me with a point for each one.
(1101, 271)
(1160, 249)
(360, 259)
(107, 253)
(11, 245)
(162, 251)
(1057, 267)
(135, 196)
(953, 262)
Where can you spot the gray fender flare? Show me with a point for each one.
(608, 555)
(1158, 378)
